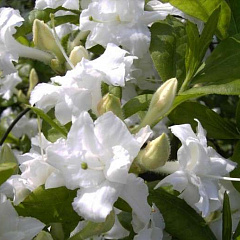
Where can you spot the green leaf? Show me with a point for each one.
(236, 235)
(93, 228)
(234, 27)
(216, 126)
(7, 155)
(227, 219)
(51, 206)
(168, 48)
(238, 115)
(197, 46)
(136, 104)
(202, 9)
(44, 15)
(236, 172)
(46, 118)
(7, 170)
(223, 64)
(231, 88)
(181, 221)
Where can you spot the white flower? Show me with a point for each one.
(123, 22)
(9, 19)
(10, 49)
(35, 171)
(8, 84)
(154, 228)
(199, 169)
(80, 88)
(13, 227)
(69, 4)
(96, 158)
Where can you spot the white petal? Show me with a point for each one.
(111, 131)
(95, 204)
(135, 193)
(116, 169)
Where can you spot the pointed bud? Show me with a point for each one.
(57, 66)
(77, 54)
(161, 102)
(155, 154)
(43, 39)
(110, 103)
(33, 81)
(43, 236)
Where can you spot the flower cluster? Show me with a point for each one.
(101, 122)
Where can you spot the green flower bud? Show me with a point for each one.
(43, 236)
(110, 103)
(77, 54)
(33, 80)
(161, 102)
(43, 39)
(155, 154)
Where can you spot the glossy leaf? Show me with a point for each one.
(197, 46)
(136, 104)
(231, 88)
(181, 221)
(94, 229)
(216, 126)
(168, 48)
(234, 27)
(227, 219)
(7, 170)
(202, 9)
(236, 172)
(223, 64)
(51, 206)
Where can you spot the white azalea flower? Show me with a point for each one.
(153, 230)
(96, 158)
(80, 88)
(8, 84)
(198, 170)
(10, 49)
(35, 171)
(123, 22)
(69, 4)
(9, 19)
(13, 227)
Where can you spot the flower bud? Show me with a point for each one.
(161, 102)
(155, 154)
(77, 54)
(110, 103)
(43, 236)
(33, 80)
(43, 39)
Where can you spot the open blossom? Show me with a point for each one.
(35, 171)
(13, 227)
(96, 158)
(199, 169)
(121, 22)
(80, 88)
(153, 230)
(9, 19)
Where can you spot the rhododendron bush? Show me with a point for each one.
(120, 119)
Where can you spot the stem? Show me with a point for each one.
(58, 42)
(185, 84)
(13, 124)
